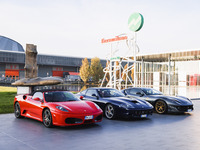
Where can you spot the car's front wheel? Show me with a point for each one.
(161, 107)
(109, 111)
(47, 118)
(17, 110)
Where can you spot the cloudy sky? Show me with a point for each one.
(76, 27)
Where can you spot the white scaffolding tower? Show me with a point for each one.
(117, 75)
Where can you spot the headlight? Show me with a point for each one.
(61, 108)
(126, 106)
(189, 100)
(97, 106)
(176, 101)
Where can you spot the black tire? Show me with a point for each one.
(161, 107)
(109, 111)
(17, 110)
(47, 118)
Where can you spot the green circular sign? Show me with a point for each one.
(135, 22)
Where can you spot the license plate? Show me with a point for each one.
(189, 110)
(88, 117)
(144, 116)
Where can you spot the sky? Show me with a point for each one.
(76, 27)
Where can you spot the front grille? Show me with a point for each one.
(141, 112)
(88, 121)
(73, 120)
(98, 118)
(184, 108)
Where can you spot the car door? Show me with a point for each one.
(35, 105)
(92, 95)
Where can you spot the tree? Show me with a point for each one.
(96, 69)
(85, 70)
(107, 69)
(132, 73)
(117, 72)
(123, 74)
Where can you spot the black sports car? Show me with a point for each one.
(115, 104)
(161, 103)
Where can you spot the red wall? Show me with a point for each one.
(57, 73)
(9, 72)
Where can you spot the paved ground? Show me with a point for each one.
(166, 132)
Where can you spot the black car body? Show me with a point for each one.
(115, 104)
(161, 103)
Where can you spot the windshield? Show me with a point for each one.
(110, 93)
(59, 96)
(149, 91)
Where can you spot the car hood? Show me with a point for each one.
(78, 107)
(137, 103)
(180, 100)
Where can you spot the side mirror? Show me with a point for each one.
(124, 92)
(140, 94)
(81, 97)
(94, 95)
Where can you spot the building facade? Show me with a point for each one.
(12, 61)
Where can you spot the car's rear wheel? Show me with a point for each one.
(47, 118)
(161, 107)
(17, 110)
(109, 111)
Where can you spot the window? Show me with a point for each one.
(83, 92)
(110, 93)
(59, 96)
(38, 94)
(149, 91)
(133, 91)
(91, 92)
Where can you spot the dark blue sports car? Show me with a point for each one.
(115, 104)
(161, 103)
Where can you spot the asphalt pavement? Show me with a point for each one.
(158, 132)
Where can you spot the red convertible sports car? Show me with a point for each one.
(60, 108)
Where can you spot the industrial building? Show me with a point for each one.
(12, 61)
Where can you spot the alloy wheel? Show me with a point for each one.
(161, 107)
(17, 110)
(47, 119)
(109, 111)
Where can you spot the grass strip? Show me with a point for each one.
(7, 95)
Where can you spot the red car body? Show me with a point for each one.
(67, 113)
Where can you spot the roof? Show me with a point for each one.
(51, 60)
(175, 56)
(10, 45)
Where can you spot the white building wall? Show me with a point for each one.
(185, 68)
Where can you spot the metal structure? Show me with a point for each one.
(114, 63)
(118, 69)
